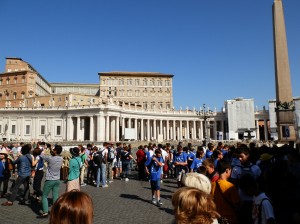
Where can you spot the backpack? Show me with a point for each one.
(110, 155)
(246, 170)
(98, 158)
(260, 209)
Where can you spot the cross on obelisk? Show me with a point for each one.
(284, 98)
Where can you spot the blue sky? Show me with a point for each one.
(216, 49)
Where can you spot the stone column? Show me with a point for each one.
(129, 122)
(154, 129)
(117, 128)
(215, 130)
(168, 130)
(123, 127)
(174, 130)
(266, 130)
(187, 129)
(148, 130)
(194, 129)
(180, 130)
(91, 128)
(257, 130)
(142, 130)
(201, 132)
(107, 128)
(78, 129)
(136, 128)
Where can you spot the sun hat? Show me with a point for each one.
(3, 151)
(198, 181)
(265, 157)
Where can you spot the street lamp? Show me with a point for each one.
(205, 113)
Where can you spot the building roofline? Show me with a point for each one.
(126, 73)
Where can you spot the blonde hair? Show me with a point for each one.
(73, 207)
(192, 206)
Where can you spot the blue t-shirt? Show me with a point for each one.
(182, 157)
(191, 155)
(196, 163)
(208, 154)
(155, 170)
(149, 155)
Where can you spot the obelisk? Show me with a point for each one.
(284, 98)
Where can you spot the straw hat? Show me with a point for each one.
(3, 151)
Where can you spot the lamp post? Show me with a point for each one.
(205, 113)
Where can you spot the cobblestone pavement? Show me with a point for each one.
(122, 202)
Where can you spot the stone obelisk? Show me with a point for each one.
(284, 98)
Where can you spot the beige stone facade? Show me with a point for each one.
(148, 90)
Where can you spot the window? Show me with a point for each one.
(145, 105)
(137, 82)
(7, 81)
(15, 80)
(0, 128)
(7, 96)
(43, 129)
(151, 82)
(168, 105)
(145, 92)
(137, 93)
(0, 96)
(129, 93)
(129, 82)
(15, 95)
(121, 82)
(159, 82)
(167, 83)
(58, 130)
(145, 82)
(0, 81)
(160, 93)
(13, 129)
(23, 79)
(27, 129)
(22, 95)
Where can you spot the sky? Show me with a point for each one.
(217, 50)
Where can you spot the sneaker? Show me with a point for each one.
(43, 216)
(126, 179)
(110, 181)
(82, 185)
(104, 185)
(154, 201)
(159, 203)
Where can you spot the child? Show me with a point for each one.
(155, 173)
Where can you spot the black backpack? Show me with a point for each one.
(98, 158)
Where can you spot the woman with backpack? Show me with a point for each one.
(126, 157)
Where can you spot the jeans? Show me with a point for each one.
(125, 168)
(37, 181)
(48, 186)
(5, 184)
(101, 175)
(20, 180)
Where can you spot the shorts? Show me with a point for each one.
(117, 163)
(155, 184)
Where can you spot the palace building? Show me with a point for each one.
(123, 105)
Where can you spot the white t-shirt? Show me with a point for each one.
(266, 209)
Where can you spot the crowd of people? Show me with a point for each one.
(217, 183)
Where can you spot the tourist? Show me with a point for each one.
(180, 163)
(73, 207)
(84, 162)
(225, 194)
(238, 171)
(5, 171)
(118, 162)
(75, 165)
(211, 173)
(141, 159)
(262, 209)
(24, 163)
(38, 162)
(101, 173)
(52, 181)
(198, 160)
(156, 165)
(126, 157)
